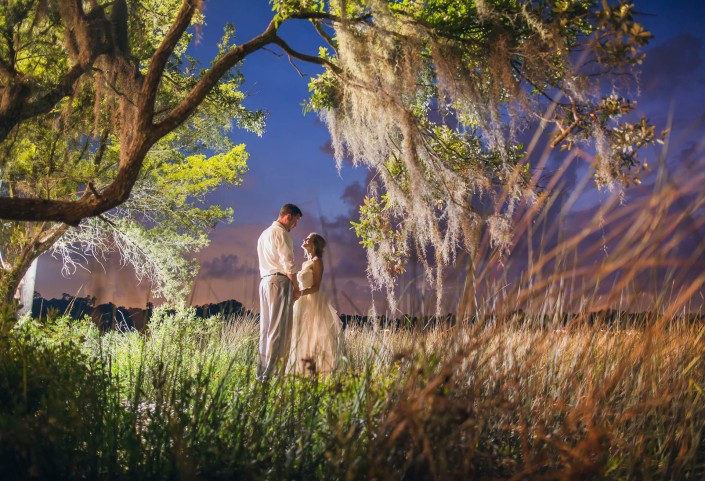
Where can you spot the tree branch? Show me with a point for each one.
(102, 145)
(15, 108)
(324, 35)
(70, 212)
(145, 106)
(579, 119)
(304, 57)
(308, 15)
(6, 70)
(48, 238)
(194, 98)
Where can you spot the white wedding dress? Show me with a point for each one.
(316, 339)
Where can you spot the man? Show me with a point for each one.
(278, 290)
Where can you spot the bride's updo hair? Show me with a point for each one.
(319, 243)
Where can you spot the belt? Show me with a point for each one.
(275, 274)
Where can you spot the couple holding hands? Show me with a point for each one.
(300, 332)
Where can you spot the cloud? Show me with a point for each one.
(354, 195)
(327, 148)
(225, 266)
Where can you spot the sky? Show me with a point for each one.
(293, 162)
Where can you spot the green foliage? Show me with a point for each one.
(286, 8)
(376, 233)
(8, 318)
(40, 59)
(52, 400)
(198, 175)
(75, 150)
(620, 38)
(181, 401)
(323, 90)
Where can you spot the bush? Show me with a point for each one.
(52, 396)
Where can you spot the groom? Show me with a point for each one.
(278, 290)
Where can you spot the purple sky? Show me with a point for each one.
(292, 162)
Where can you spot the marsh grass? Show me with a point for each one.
(501, 400)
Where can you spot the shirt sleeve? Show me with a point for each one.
(285, 251)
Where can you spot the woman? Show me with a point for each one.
(317, 330)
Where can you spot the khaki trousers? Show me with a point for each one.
(275, 322)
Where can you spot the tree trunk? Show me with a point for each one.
(9, 282)
(26, 293)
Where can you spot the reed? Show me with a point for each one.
(493, 401)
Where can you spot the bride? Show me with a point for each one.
(317, 331)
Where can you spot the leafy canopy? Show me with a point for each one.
(431, 95)
(75, 149)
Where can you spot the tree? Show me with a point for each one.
(429, 94)
(74, 146)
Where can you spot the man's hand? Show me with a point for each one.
(297, 292)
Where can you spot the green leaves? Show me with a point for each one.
(619, 37)
(284, 9)
(373, 227)
(376, 233)
(198, 174)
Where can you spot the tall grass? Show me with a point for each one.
(533, 384)
(500, 401)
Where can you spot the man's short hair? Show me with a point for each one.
(290, 209)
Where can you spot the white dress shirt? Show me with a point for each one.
(275, 251)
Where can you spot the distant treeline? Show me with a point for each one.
(109, 316)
